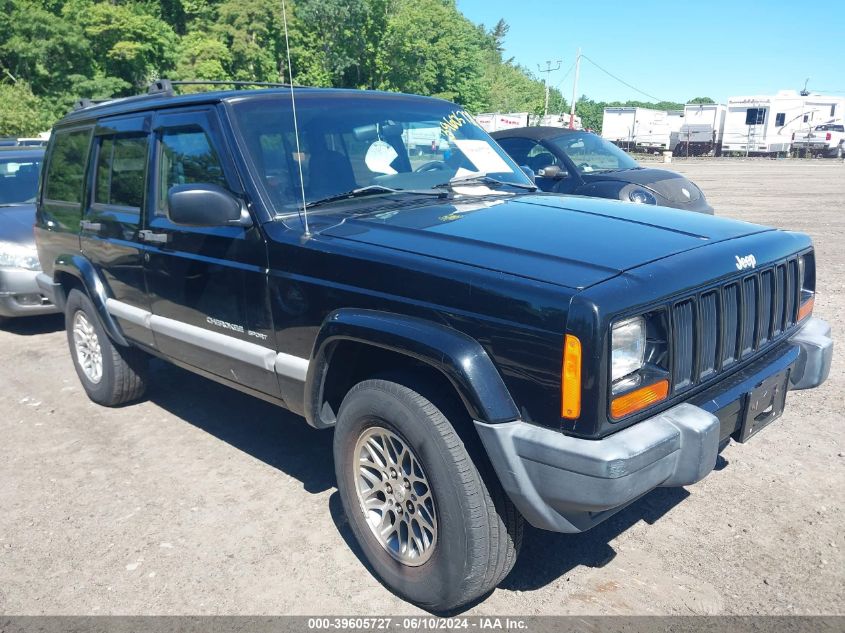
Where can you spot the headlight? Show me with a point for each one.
(807, 277)
(641, 196)
(16, 256)
(627, 347)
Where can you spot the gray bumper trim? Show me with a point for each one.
(568, 484)
(816, 352)
(15, 283)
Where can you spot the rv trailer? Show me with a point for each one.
(636, 128)
(766, 124)
(702, 130)
(494, 121)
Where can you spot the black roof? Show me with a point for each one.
(535, 133)
(142, 103)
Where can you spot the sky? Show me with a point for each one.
(675, 50)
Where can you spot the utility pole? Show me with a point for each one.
(548, 71)
(575, 90)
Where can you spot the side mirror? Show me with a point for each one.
(552, 171)
(205, 204)
(528, 172)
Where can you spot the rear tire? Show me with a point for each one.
(470, 533)
(110, 374)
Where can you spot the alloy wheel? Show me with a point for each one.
(395, 496)
(89, 355)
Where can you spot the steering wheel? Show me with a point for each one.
(432, 165)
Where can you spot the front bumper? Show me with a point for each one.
(568, 484)
(20, 294)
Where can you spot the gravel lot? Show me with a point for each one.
(201, 500)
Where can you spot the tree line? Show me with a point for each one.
(54, 52)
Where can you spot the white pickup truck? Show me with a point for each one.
(823, 140)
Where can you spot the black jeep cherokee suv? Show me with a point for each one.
(485, 353)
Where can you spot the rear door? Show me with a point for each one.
(113, 214)
(208, 285)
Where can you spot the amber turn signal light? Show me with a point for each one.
(570, 393)
(639, 399)
(806, 308)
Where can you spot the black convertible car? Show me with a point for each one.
(582, 163)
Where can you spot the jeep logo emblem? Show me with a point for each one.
(749, 261)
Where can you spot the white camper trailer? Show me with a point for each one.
(766, 124)
(702, 129)
(554, 120)
(641, 128)
(494, 121)
(675, 119)
(654, 132)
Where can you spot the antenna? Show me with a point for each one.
(805, 92)
(304, 215)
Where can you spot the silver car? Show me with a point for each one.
(19, 293)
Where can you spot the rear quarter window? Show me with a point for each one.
(66, 168)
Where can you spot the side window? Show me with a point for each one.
(539, 158)
(780, 119)
(121, 165)
(66, 170)
(186, 156)
(755, 116)
(518, 148)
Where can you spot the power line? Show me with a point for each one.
(622, 81)
(559, 84)
(565, 75)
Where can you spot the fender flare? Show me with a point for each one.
(82, 269)
(460, 358)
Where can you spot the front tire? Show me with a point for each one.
(434, 530)
(110, 374)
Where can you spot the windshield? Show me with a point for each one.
(591, 153)
(351, 141)
(830, 127)
(19, 178)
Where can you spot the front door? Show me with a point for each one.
(208, 285)
(116, 199)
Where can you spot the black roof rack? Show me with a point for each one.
(85, 102)
(165, 86)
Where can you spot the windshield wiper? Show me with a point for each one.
(482, 179)
(371, 190)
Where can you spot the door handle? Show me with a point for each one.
(152, 237)
(85, 225)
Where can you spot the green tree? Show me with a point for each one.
(42, 48)
(125, 41)
(253, 33)
(21, 112)
(342, 37)
(701, 100)
(591, 113)
(430, 48)
(201, 56)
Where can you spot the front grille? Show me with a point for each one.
(721, 326)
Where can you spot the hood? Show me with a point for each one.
(668, 184)
(565, 240)
(16, 223)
